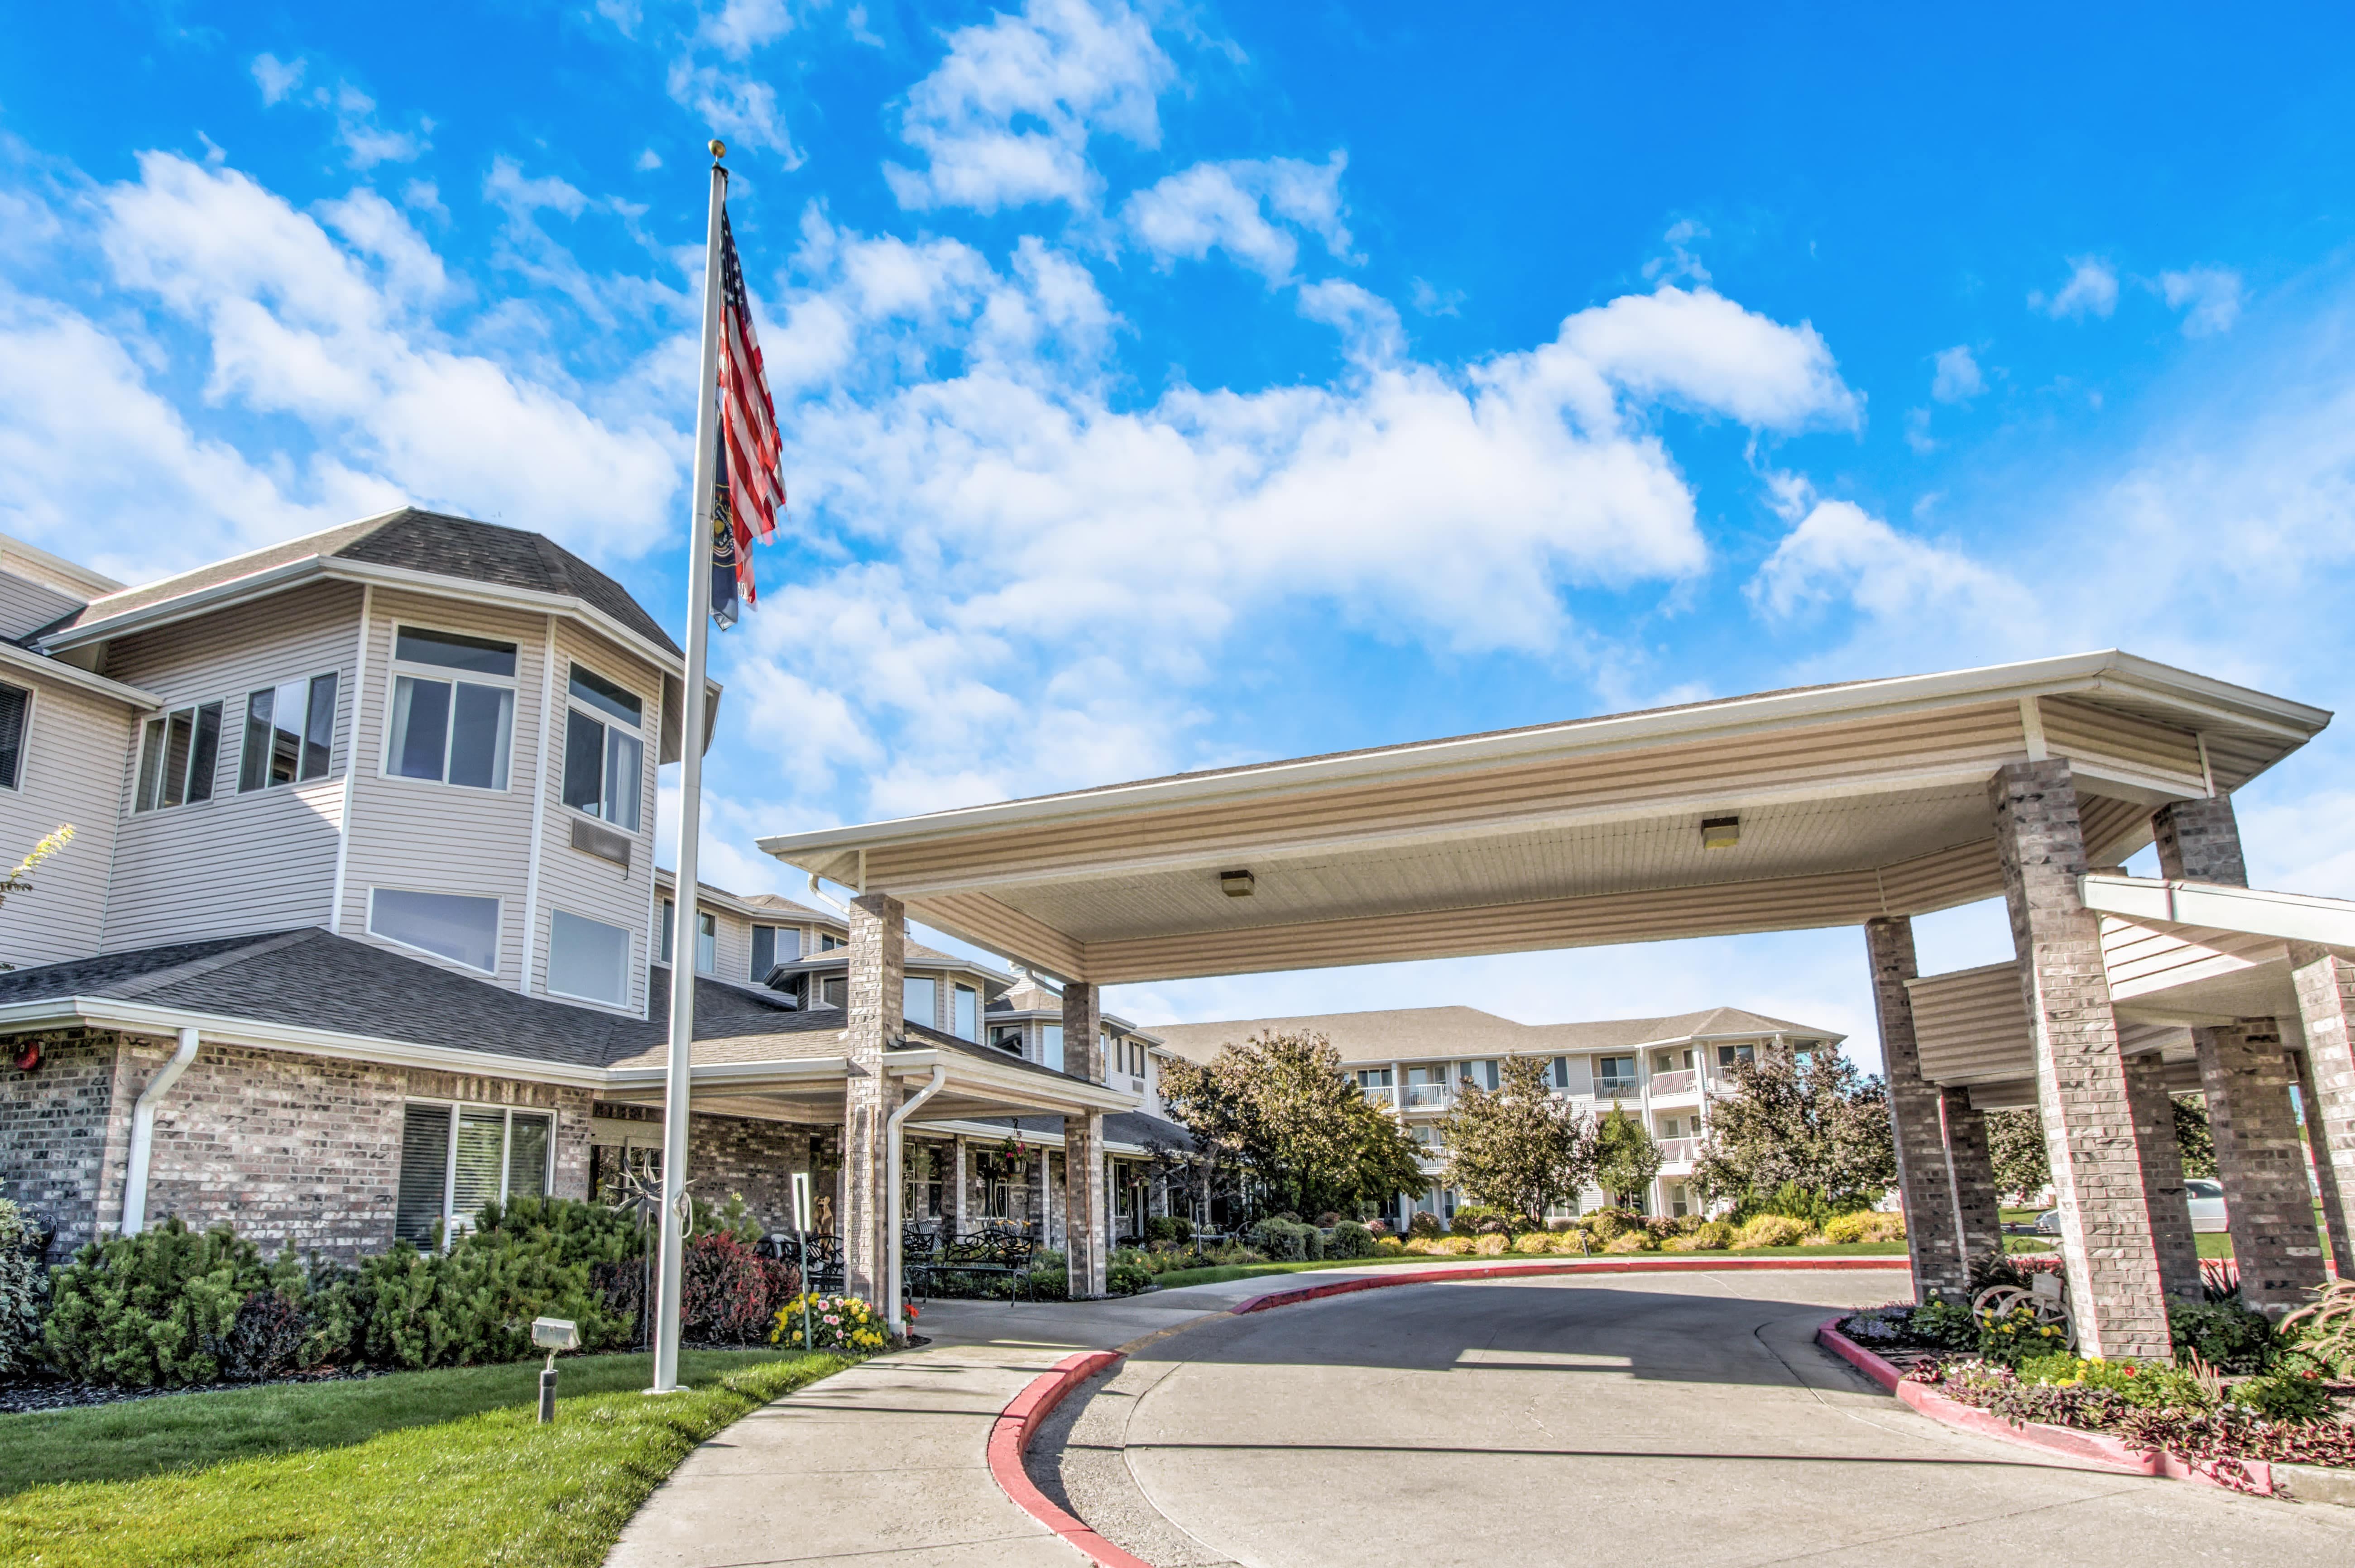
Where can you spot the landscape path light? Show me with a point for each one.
(552, 1334)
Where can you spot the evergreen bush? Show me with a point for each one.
(1350, 1239)
(1533, 1242)
(1770, 1230)
(2225, 1334)
(1168, 1230)
(1286, 1240)
(24, 1291)
(1423, 1226)
(1712, 1235)
(151, 1309)
(1864, 1226)
(1487, 1220)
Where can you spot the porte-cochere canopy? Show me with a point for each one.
(1852, 801)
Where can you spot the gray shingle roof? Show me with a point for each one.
(413, 539)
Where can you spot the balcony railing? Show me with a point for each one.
(1678, 1083)
(1679, 1150)
(1607, 1088)
(1428, 1097)
(1380, 1094)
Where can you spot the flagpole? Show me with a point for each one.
(684, 925)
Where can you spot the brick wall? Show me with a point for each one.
(57, 1124)
(728, 1154)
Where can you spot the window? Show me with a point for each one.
(1373, 1078)
(1727, 1056)
(707, 943)
(455, 926)
(922, 998)
(829, 942)
(1052, 1054)
(14, 702)
(177, 755)
(1007, 1037)
(290, 733)
(669, 915)
(1615, 1075)
(456, 1158)
(1671, 1127)
(451, 731)
(1136, 1057)
(834, 990)
(967, 1025)
(765, 952)
(1668, 1062)
(1560, 1079)
(1481, 1072)
(604, 757)
(588, 959)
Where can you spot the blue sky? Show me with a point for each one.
(1168, 386)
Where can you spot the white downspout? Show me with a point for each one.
(892, 1198)
(142, 1132)
(827, 898)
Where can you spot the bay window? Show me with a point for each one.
(177, 755)
(603, 756)
(289, 732)
(444, 728)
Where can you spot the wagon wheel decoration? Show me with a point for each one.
(2048, 1301)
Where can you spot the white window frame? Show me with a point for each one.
(245, 733)
(395, 667)
(959, 988)
(506, 1147)
(703, 918)
(611, 725)
(629, 964)
(25, 737)
(498, 937)
(195, 711)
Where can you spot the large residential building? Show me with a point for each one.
(360, 927)
(1663, 1071)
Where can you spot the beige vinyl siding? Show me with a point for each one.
(26, 606)
(76, 744)
(1971, 1025)
(443, 838)
(572, 880)
(258, 862)
(732, 936)
(2143, 959)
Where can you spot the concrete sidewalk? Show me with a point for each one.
(887, 1463)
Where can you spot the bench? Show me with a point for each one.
(821, 1269)
(991, 1252)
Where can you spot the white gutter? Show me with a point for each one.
(892, 1305)
(76, 676)
(142, 1132)
(2294, 917)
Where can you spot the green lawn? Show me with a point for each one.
(1178, 1278)
(424, 1468)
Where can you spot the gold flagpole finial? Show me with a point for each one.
(719, 149)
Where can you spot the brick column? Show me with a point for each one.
(2107, 1247)
(877, 995)
(1083, 1183)
(2246, 1073)
(1970, 1170)
(1931, 1239)
(960, 1212)
(2326, 1006)
(2333, 1195)
(2259, 1159)
(2162, 1177)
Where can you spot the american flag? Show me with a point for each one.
(751, 491)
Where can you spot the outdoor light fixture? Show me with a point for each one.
(1720, 832)
(1236, 883)
(551, 1334)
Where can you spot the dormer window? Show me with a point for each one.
(445, 728)
(604, 760)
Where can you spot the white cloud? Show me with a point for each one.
(1680, 264)
(1840, 551)
(1004, 120)
(740, 108)
(366, 142)
(648, 161)
(334, 336)
(1430, 300)
(275, 77)
(2092, 290)
(1368, 323)
(1225, 205)
(1703, 350)
(1917, 433)
(2209, 296)
(1957, 379)
(740, 27)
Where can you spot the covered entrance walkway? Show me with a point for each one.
(1865, 804)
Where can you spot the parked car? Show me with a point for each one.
(2207, 1203)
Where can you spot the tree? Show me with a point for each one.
(1519, 1148)
(2194, 1136)
(1279, 1107)
(1625, 1158)
(2015, 1150)
(21, 879)
(1812, 1122)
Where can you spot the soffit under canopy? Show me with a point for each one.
(1855, 800)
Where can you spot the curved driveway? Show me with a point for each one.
(1633, 1421)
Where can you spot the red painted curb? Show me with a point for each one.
(2096, 1448)
(1009, 1438)
(1413, 1275)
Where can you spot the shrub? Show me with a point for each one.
(1607, 1225)
(1805, 1204)
(1286, 1240)
(836, 1323)
(1169, 1230)
(1712, 1235)
(1864, 1226)
(2289, 1393)
(1127, 1274)
(151, 1309)
(1494, 1244)
(1350, 1239)
(266, 1339)
(1533, 1242)
(1391, 1247)
(1050, 1279)
(476, 1302)
(1423, 1226)
(1452, 1246)
(1328, 1219)
(1632, 1241)
(2012, 1337)
(730, 1294)
(1945, 1325)
(24, 1290)
(1770, 1230)
(1572, 1242)
(2225, 1334)
(2326, 1331)
(1487, 1220)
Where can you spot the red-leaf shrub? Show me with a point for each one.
(730, 1294)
